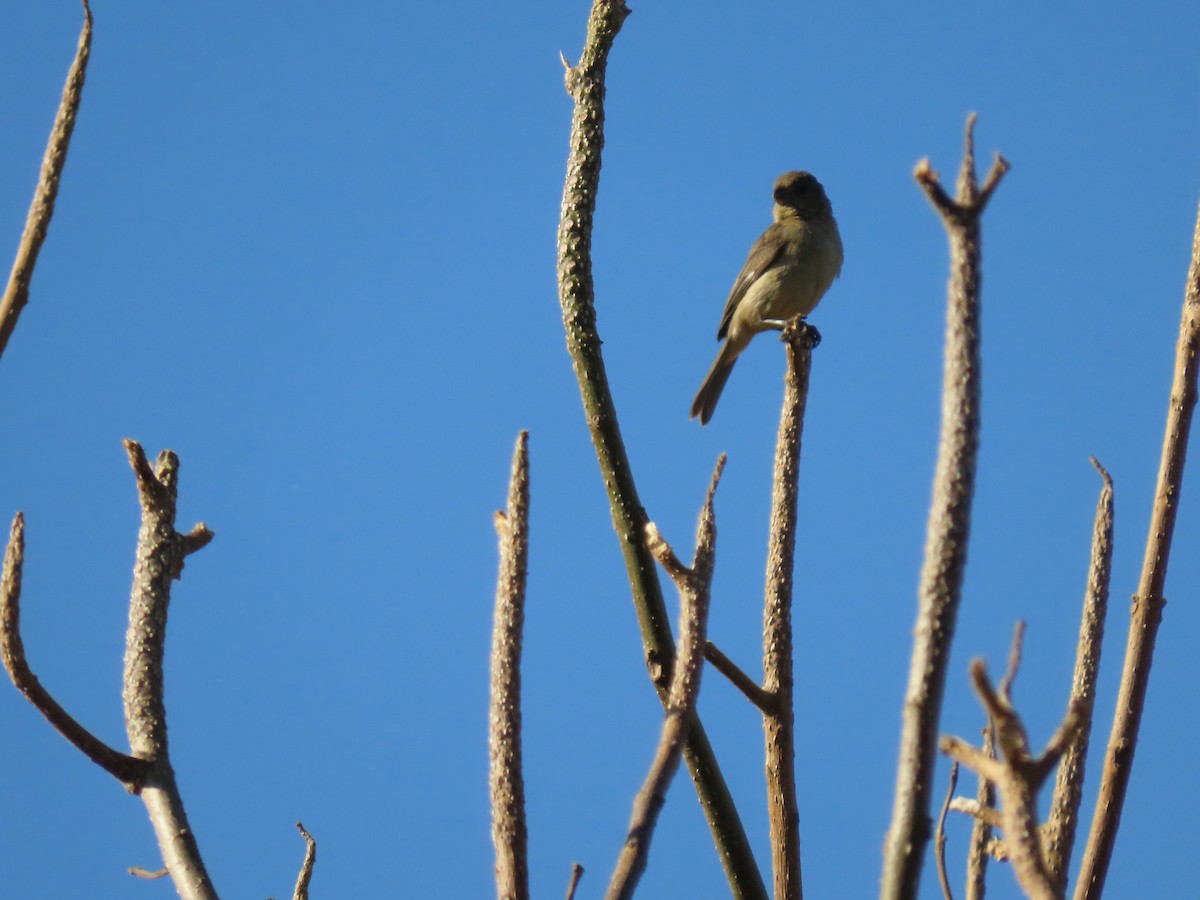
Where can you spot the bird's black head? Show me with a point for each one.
(803, 193)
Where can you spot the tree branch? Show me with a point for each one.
(939, 835)
(949, 521)
(129, 771)
(160, 555)
(585, 84)
(1149, 601)
(37, 223)
(1058, 834)
(981, 830)
(693, 585)
(779, 724)
(509, 832)
(740, 680)
(306, 869)
(1017, 776)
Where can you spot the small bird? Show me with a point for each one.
(789, 269)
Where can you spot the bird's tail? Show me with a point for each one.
(714, 383)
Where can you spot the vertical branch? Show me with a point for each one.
(1061, 824)
(949, 520)
(779, 723)
(939, 836)
(509, 834)
(306, 868)
(37, 223)
(160, 554)
(1148, 602)
(693, 584)
(981, 829)
(585, 84)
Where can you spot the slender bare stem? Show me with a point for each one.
(573, 884)
(1149, 601)
(779, 723)
(949, 521)
(939, 835)
(585, 84)
(1017, 776)
(160, 554)
(509, 833)
(129, 771)
(1058, 835)
(693, 584)
(306, 869)
(37, 223)
(981, 830)
(740, 680)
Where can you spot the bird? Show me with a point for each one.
(787, 272)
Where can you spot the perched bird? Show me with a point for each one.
(789, 269)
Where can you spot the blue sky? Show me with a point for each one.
(310, 247)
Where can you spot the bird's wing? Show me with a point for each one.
(763, 256)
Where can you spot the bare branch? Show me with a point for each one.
(948, 530)
(159, 561)
(306, 869)
(1016, 777)
(988, 815)
(585, 83)
(146, 874)
(37, 224)
(1014, 662)
(126, 769)
(693, 585)
(939, 835)
(1149, 601)
(779, 723)
(740, 680)
(981, 831)
(1058, 834)
(509, 831)
(576, 868)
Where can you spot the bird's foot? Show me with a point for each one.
(794, 329)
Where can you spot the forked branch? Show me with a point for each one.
(693, 584)
(948, 529)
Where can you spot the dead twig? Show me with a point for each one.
(306, 869)
(37, 223)
(1149, 601)
(509, 831)
(693, 584)
(948, 529)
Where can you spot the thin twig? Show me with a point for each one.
(939, 835)
(1017, 777)
(37, 223)
(129, 771)
(779, 723)
(146, 874)
(585, 84)
(576, 874)
(160, 554)
(739, 679)
(981, 830)
(306, 869)
(1058, 834)
(949, 521)
(1149, 601)
(509, 831)
(693, 585)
